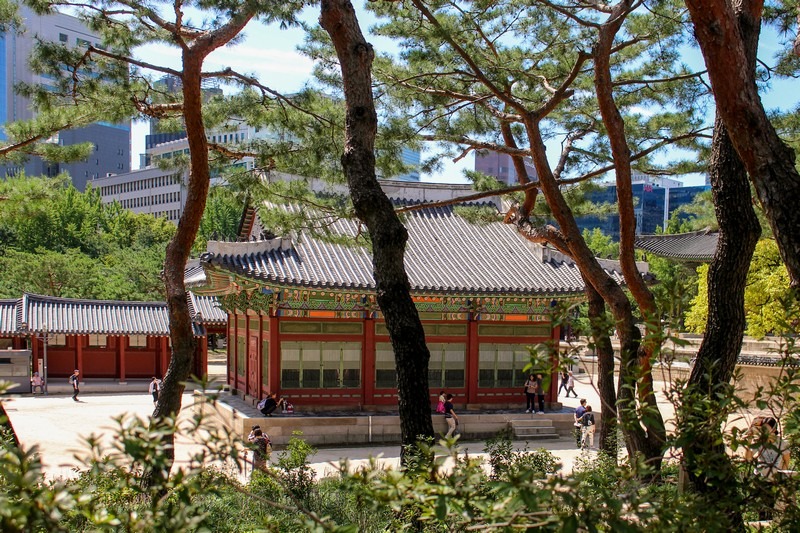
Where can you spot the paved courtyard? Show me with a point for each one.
(59, 427)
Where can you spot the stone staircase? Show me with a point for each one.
(534, 429)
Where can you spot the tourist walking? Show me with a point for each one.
(450, 416)
(540, 392)
(571, 384)
(37, 381)
(587, 428)
(73, 380)
(578, 414)
(564, 381)
(155, 388)
(530, 394)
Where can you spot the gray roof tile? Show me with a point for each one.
(445, 253)
(8, 317)
(84, 317)
(697, 246)
(208, 308)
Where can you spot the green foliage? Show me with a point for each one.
(767, 296)
(451, 492)
(506, 463)
(601, 244)
(676, 286)
(294, 472)
(58, 241)
(221, 218)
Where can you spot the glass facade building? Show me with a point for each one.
(653, 207)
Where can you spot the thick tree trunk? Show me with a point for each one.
(636, 437)
(178, 249)
(642, 376)
(181, 333)
(707, 463)
(599, 322)
(708, 466)
(387, 233)
(768, 161)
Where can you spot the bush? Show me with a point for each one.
(505, 462)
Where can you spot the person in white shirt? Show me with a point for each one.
(155, 388)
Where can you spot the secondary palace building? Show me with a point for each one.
(101, 338)
(303, 319)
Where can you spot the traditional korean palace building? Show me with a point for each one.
(103, 339)
(303, 319)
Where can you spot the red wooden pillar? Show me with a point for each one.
(247, 348)
(473, 359)
(234, 342)
(260, 359)
(122, 340)
(203, 370)
(79, 353)
(164, 343)
(229, 346)
(35, 353)
(274, 353)
(552, 392)
(368, 360)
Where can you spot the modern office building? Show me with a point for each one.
(412, 158)
(155, 191)
(501, 167)
(112, 151)
(655, 198)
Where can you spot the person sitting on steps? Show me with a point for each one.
(269, 405)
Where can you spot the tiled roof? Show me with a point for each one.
(193, 274)
(695, 246)
(208, 309)
(101, 317)
(445, 253)
(8, 317)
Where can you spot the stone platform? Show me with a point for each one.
(364, 428)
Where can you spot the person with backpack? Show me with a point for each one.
(73, 380)
(587, 428)
(261, 449)
(268, 404)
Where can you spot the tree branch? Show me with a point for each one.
(476, 70)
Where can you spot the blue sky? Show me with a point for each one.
(270, 54)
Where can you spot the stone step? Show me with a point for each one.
(534, 433)
(531, 423)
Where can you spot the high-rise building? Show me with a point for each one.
(411, 158)
(501, 167)
(112, 142)
(655, 200)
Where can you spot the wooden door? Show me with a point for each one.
(252, 366)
